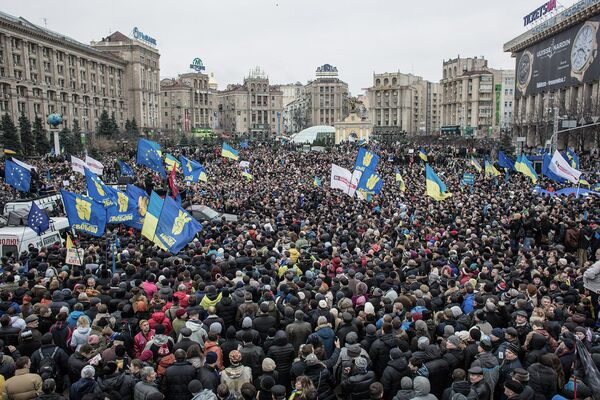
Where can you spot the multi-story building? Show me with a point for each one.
(293, 107)
(505, 98)
(43, 72)
(403, 103)
(142, 76)
(468, 96)
(558, 79)
(326, 97)
(187, 102)
(252, 107)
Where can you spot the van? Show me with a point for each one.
(15, 239)
(52, 204)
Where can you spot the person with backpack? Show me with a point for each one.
(50, 361)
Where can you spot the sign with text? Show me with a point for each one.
(139, 35)
(74, 256)
(539, 12)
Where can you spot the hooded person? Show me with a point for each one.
(422, 387)
(394, 372)
(348, 353)
(406, 391)
(199, 335)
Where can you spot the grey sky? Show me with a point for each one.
(290, 38)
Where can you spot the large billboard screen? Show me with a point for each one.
(568, 58)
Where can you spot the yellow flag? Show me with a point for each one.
(69, 242)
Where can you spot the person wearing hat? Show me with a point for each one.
(278, 392)
(208, 374)
(513, 389)
(178, 376)
(199, 392)
(268, 369)
(454, 355)
(317, 372)
(521, 324)
(252, 355)
(237, 374)
(478, 383)
(86, 384)
(508, 364)
(396, 368)
(356, 383)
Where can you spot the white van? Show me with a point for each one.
(16, 239)
(49, 203)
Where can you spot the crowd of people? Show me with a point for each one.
(313, 294)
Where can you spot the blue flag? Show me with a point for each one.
(149, 154)
(140, 200)
(572, 158)
(504, 161)
(176, 227)
(366, 160)
(17, 176)
(370, 182)
(123, 211)
(126, 169)
(548, 172)
(244, 144)
(84, 214)
(192, 171)
(38, 219)
(98, 191)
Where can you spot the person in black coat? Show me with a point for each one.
(230, 344)
(346, 327)
(355, 384)
(78, 360)
(252, 355)
(264, 321)
(60, 357)
(282, 352)
(396, 369)
(320, 377)
(121, 382)
(177, 377)
(208, 374)
(380, 350)
(454, 356)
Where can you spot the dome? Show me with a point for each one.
(212, 82)
(313, 133)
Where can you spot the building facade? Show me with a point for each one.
(42, 72)
(403, 104)
(142, 76)
(505, 98)
(252, 107)
(326, 97)
(187, 103)
(558, 79)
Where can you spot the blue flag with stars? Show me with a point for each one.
(176, 227)
(149, 155)
(38, 219)
(17, 176)
(126, 169)
(84, 214)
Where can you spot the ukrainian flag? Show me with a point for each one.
(170, 160)
(584, 182)
(423, 154)
(435, 187)
(151, 220)
(246, 174)
(490, 170)
(572, 158)
(229, 152)
(316, 181)
(523, 165)
(400, 180)
(476, 164)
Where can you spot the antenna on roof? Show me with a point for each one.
(45, 22)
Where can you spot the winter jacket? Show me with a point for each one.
(61, 335)
(159, 318)
(82, 387)
(438, 376)
(143, 390)
(327, 337)
(459, 387)
(297, 333)
(198, 335)
(380, 352)
(542, 380)
(321, 378)
(262, 323)
(455, 359)
(252, 356)
(234, 377)
(227, 310)
(23, 386)
(176, 380)
(282, 353)
(74, 316)
(61, 360)
(421, 387)
(122, 382)
(75, 364)
(392, 375)
(591, 277)
(209, 377)
(356, 387)
(80, 337)
(140, 341)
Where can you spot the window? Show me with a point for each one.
(21, 106)
(18, 74)
(166, 114)
(37, 108)
(16, 59)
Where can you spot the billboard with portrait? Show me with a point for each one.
(568, 58)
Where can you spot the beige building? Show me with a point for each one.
(252, 107)
(142, 76)
(187, 103)
(403, 103)
(43, 72)
(326, 97)
(469, 97)
(353, 128)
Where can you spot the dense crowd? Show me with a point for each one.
(312, 294)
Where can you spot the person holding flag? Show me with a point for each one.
(435, 188)
(400, 180)
(523, 165)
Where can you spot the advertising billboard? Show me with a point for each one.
(568, 58)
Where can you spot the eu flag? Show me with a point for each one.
(126, 169)
(140, 200)
(370, 182)
(192, 171)
(98, 191)
(38, 219)
(84, 214)
(149, 155)
(17, 176)
(366, 160)
(504, 161)
(176, 227)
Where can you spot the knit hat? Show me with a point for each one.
(311, 359)
(514, 385)
(485, 343)
(88, 372)
(247, 323)
(369, 309)
(456, 311)
(235, 357)
(211, 357)
(361, 364)
(268, 365)
(423, 342)
(455, 340)
(421, 325)
(195, 386)
(520, 375)
(513, 348)
(498, 332)
(216, 327)
(180, 313)
(395, 353)
(448, 330)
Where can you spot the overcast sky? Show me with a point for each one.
(290, 38)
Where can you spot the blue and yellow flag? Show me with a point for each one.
(490, 170)
(153, 212)
(435, 187)
(229, 152)
(246, 174)
(192, 171)
(584, 182)
(476, 164)
(17, 176)
(140, 200)
(171, 160)
(176, 227)
(366, 160)
(423, 154)
(400, 180)
(98, 191)
(150, 155)
(316, 181)
(370, 182)
(124, 210)
(596, 187)
(523, 165)
(84, 214)
(572, 158)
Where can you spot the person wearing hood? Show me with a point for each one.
(438, 369)
(160, 345)
(247, 327)
(75, 314)
(198, 335)
(460, 389)
(326, 335)
(396, 369)
(380, 350)
(236, 375)
(543, 378)
(422, 387)
(81, 334)
(355, 384)
(58, 302)
(113, 379)
(536, 349)
(86, 384)
(179, 321)
(348, 353)
(282, 353)
(159, 318)
(406, 391)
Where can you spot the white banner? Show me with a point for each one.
(94, 165)
(77, 164)
(340, 178)
(24, 165)
(561, 167)
(244, 164)
(74, 256)
(356, 175)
